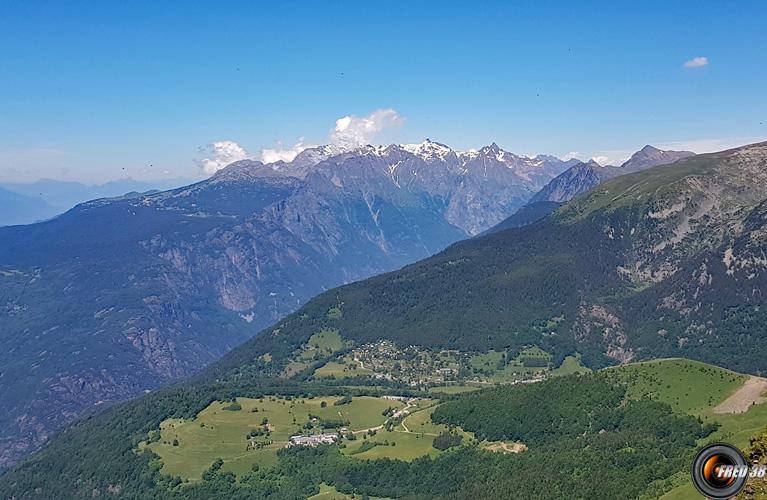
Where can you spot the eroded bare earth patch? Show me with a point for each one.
(741, 400)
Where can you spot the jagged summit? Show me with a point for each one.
(429, 150)
(489, 161)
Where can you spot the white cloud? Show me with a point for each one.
(219, 154)
(350, 132)
(570, 155)
(353, 131)
(696, 62)
(282, 154)
(602, 160)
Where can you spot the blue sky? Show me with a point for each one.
(100, 90)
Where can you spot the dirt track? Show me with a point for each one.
(750, 393)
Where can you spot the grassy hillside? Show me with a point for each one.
(695, 388)
(687, 386)
(187, 447)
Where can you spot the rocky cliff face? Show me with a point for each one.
(119, 296)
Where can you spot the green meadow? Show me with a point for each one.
(188, 447)
(411, 439)
(570, 365)
(346, 367)
(688, 386)
(453, 389)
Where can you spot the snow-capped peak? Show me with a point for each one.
(428, 150)
(494, 151)
(312, 156)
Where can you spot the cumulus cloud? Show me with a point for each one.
(696, 62)
(219, 154)
(283, 154)
(602, 160)
(353, 131)
(350, 132)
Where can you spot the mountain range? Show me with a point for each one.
(119, 296)
(664, 262)
(26, 203)
(583, 177)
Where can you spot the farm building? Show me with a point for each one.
(315, 440)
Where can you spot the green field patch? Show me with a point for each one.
(488, 362)
(322, 344)
(397, 444)
(570, 365)
(346, 367)
(420, 422)
(188, 447)
(412, 438)
(513, 372)
(528, 363)
(453, 389)
(495, 365)
(688, 386)
(533, 357)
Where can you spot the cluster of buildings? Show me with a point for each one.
(314, 440)
(404, 399)
(411, 365)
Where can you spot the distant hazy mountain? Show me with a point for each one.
(650, 156)
(585, 176)
(122, 295)
(19, 209)
(64, 195)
